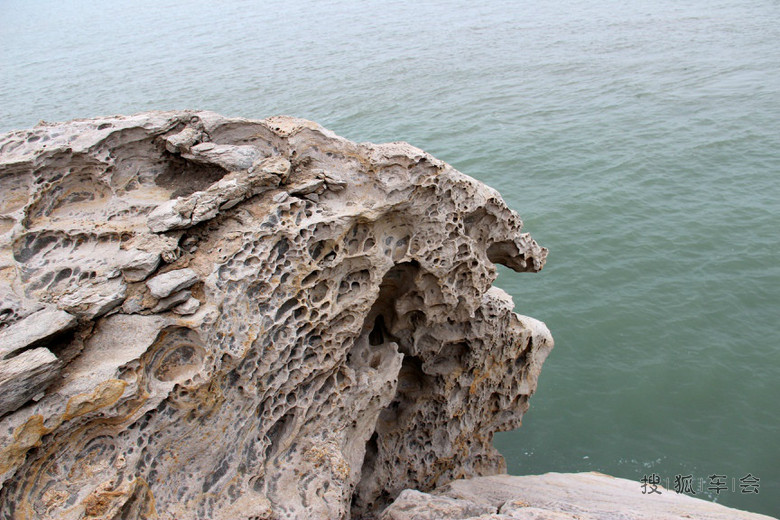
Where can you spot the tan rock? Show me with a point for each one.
(414, 505)
(164, 285)
(584, 496)
(346, 343)
(24, 376)
(36, 328)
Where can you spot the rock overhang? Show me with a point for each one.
(262, 317)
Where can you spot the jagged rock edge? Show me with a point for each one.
(224, 194)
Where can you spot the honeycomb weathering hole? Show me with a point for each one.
(177, 354)
(380, 325)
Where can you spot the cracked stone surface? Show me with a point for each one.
(555, 496)
(204, 317)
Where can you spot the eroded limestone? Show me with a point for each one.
(34, 329)
(24, 376)
(165, 284)
(266, 320)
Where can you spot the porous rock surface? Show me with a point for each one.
(555, 496)
(204, 317)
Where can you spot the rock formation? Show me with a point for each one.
(555, 496)
(219, 318)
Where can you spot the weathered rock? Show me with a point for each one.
(35, 329)
(183, 141)
(24, 376)
(163, 285)
(229, 157)
(139, 265)
(224, 194)
(347, 343)
(414, 505)
(561, 496)
(174, 300)
(188, 307)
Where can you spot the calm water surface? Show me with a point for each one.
(639, 140)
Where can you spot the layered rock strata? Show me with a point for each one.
(204, 317)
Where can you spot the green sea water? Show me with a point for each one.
(639, 140)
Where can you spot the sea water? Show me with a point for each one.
(639, 140)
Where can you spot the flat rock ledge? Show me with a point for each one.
(211, 317)
(554, 496)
